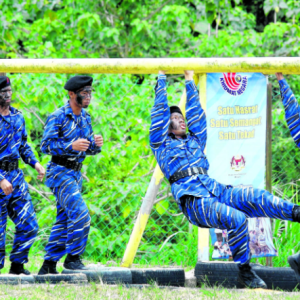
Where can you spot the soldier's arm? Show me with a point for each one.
(292, 110)
(160, 114)
(93, 148)
(25, 150)
(195, 115)
(52, 143)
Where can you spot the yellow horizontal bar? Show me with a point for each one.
(266, 65)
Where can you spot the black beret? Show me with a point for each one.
(4, 82)
(77, 82)
(175, 109)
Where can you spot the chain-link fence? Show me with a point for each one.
(116, 180)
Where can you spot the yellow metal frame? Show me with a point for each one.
(203, 233)
(266, 65)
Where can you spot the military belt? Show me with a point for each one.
(69, 164)
(9, 165)
(187, 173)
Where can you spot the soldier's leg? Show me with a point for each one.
(209, 212)
(21, 212)
(3, 221)
(257, 203)
(56, 246)
(261, 203)
(69, 197)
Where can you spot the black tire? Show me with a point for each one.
(16, 279)
(226, 274)
(67, 278)
(278, 278)
(217, 274)
(91, 275)
(162, 276)
(106, 275)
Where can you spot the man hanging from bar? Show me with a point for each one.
(14, 195)
(204, 201)
(69, 137)
(292, 115)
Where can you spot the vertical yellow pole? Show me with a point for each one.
(203, 233)
(148, 201)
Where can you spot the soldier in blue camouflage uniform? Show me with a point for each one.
(69, 137)
(204, 201)
(292, 115)
(14, 195)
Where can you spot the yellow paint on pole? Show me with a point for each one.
(135, 239)
(158, 174)
(266, 65)
(203, 233)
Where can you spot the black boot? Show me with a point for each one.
(48, 267)
(249, 278)
(18, 269)
(294, 262)
(73, 262)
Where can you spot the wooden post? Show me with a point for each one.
(269, 152)
(269, 139)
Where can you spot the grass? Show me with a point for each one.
(96, 291)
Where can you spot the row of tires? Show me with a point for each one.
(161, 276)
(207, 273)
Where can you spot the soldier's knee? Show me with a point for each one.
(82, 216)
(32, 228)
(241, 221)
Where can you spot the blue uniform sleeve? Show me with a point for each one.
(93, 148)
(195, 114)
(2, 175)
(160, 115)
(25, 150)
(52, 143)
(292, 111)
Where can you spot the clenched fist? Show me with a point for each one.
(279, 76)
(6, 187)
(189, 75)
(98, 140)
(81, 145)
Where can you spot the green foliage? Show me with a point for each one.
(116, 28)
(117, 179)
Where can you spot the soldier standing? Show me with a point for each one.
(14, 195)
(69, 137)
